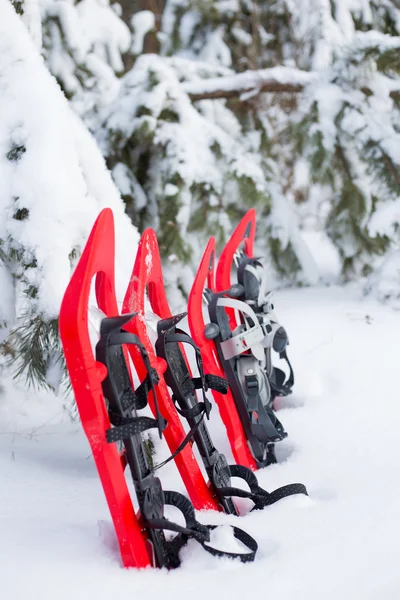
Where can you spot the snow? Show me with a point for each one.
(384, 283)
(106, 33)
(284, 228)
(142, 22)
(330, 101)
(52, 173)
(249, 80)
(83, 45)
(31, 18)
(343, 421)
(216, 51)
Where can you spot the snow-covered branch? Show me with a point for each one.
(276, 79)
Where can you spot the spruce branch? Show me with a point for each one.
(34, 344)
(275, 80)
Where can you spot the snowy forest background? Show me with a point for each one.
(180, 115)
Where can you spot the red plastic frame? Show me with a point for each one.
(226, 404)
(244, 233)
(147, 274)
(86, 376)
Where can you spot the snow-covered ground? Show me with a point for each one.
(343, 422)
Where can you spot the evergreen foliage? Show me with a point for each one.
(324, 156)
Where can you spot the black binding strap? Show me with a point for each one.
(199, 532)
(277, 379)
(184, 442)
(144, 388)
(243, 537)
(178, 377)
(213, 382)
(125, 427)
(257, 494)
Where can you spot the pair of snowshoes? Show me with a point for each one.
(238, 341)
(109, 406)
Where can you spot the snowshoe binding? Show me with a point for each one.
(184, 386)
(251, 277)
(241, 358)
(123, 404)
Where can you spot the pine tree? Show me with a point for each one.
(83, 44)
(54, 184)
(350, 138)
(326, 142)
(181, 169)
(291, 107)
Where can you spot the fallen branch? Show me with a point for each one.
(277, 79)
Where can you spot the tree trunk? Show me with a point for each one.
(130, 7)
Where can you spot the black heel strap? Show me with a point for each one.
(257, 494)
(199, 532)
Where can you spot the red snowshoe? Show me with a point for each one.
(236, 342)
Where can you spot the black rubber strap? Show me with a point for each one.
(279, 388)
(285, 491)
(243, 537)
(290, 382)
(195, 411)
(120, 337)
(181, 337)
(214, 382)
(257, 494)
(137, 399)
(264, 498)
(199, 532)
(144, 388)
(126, 427)
(179, 541)
(184, 442)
